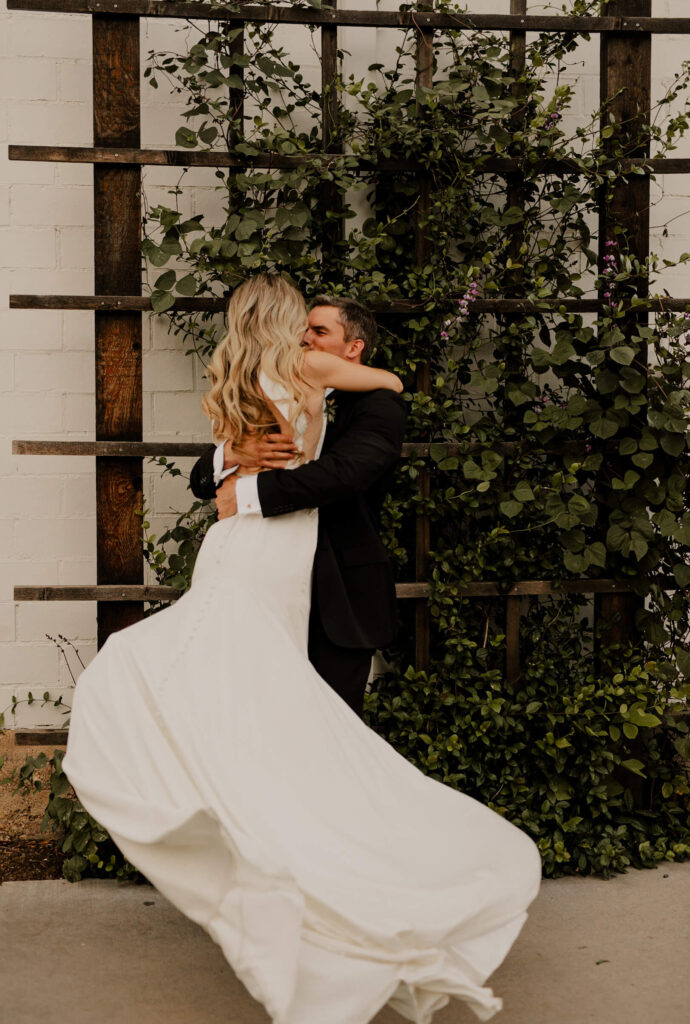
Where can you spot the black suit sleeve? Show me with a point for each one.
(201, 476)
(355, 461)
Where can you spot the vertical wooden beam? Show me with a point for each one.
(117, 250)
(513, 640)
(514, 197)
(626, 61)
(332, 227)
(425, 77)
(236, 97)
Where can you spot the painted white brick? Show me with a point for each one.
(22, 329)
(4, 204)
(172, 494)
(75, 248)
(28, 663)
(74, 619)
(50, 35)
(28, 497)
(33, 123)
(30, 204)
(27, 281)
(168, 371)
(27, 247)
(87, 652)
(75, 80)
(74, 174)
(78, 496)
(50, 465)
(180, 416)
(38, 714)
(161, 338)
(78, 330)
(26, 172)
(79, 416)
(25, 573)
(159, 124)
(34, 415)
(6, 371)
(55, 537)
(7, 627)
(78, 571)
(29, 79)
(64, 372)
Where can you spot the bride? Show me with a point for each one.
(334, 875)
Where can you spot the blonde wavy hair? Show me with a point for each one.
(266, 320)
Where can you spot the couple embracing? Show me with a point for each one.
(219, 740)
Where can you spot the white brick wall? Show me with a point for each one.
(47, 508)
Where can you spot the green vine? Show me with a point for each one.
(558, 440)
(568, 433)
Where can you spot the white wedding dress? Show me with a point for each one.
(334, 875)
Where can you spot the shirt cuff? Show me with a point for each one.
(247, 494)
(218, 459)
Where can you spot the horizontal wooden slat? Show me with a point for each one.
(111, 448)
(379, 19)
(113, 303)
(40, 737)
(221, 158)
(142, 303)
(486, 588)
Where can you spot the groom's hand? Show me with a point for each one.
(226, 501)
(272, 451)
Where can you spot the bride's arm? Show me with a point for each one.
(321, 369)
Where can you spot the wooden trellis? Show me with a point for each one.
(626, 40)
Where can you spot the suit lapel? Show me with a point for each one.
(341, 401)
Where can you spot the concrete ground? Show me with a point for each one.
(605, 952)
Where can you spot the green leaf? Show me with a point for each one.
(511, 508)
(672, 444)
(603, 427)
(185, 137)
(634, 766)
(682, 574)
(245, 229)
(165, 282)
(160, 301)
(562, 351)
(523, 492)
(623, 354)
(683, 660)
(186, 285)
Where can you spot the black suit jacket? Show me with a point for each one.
(353, 591)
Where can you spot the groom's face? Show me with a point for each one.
(326, 334)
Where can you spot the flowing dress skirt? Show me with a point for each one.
(334, 875)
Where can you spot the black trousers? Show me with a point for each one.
(345, 669)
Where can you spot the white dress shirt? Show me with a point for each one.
(246, 492)
(247, 489)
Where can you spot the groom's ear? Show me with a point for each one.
(355, 347)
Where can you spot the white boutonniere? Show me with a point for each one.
(330, 407)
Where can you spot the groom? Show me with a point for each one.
(353, 605)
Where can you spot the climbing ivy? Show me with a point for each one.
(558, 440)
(568, 432)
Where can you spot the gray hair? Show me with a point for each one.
(357, 321)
